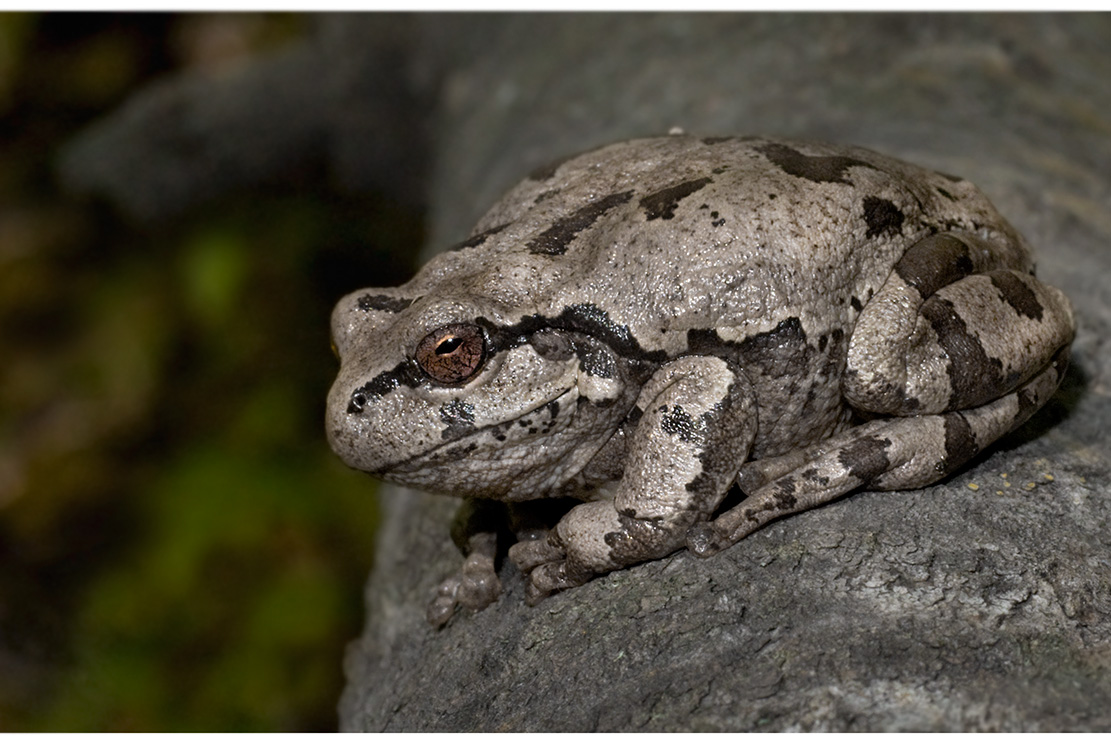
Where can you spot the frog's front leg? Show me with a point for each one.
(697, 420)
(961, 345)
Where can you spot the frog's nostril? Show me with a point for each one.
(358, 402)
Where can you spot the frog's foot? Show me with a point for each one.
(541, 559)
(535, 551)
(593, 539)
(882, 455)
(569, 555)
(473, 587)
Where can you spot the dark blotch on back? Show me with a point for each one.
(383, 303)
(817, 168)
(663, 203)
(866, 458)
(882, 217)
(1016, 294)
(477, 240)
(555, 239)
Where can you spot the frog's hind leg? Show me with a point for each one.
(959, 345)
(883, 455)
(960, 321)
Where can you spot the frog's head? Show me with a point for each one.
(458, 396)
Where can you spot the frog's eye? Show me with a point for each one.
(452, 354)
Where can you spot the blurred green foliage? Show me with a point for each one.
(179, 550)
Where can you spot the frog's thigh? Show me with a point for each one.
(698, 422)
(939, 336)
(884, 454)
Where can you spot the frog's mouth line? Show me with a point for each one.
(458, 447)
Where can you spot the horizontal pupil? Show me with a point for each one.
(448, 346)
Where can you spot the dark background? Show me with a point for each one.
(179, 550)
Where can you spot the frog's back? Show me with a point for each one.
(675, 234)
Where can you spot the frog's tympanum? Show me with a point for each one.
(644, 326)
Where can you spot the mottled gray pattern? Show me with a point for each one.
(616, 255)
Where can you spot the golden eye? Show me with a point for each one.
(452, 354)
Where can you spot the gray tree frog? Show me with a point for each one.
(643, 326)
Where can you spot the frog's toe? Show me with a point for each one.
(473, 587)
(528, 554)
(470, 589)
(479, 586)
(553, 577)
(442, 608)
(533, 594)
(703, 540)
